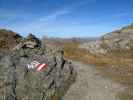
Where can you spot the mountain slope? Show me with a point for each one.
(8, 39)
(118, 41)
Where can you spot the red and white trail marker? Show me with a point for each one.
(36, 65)
(41, 66)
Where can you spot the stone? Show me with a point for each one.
(19, 83)
(30, 42)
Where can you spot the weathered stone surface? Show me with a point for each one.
(19, 83)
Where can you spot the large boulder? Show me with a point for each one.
(17, 82)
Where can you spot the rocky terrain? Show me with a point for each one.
(91, 85)
(17, 82)
(90, 77)
(117, 41)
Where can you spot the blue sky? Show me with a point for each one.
(65, 18)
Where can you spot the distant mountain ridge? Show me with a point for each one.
(60, 42)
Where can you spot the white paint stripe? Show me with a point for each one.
(32, 65)
(35, 63)
(40, 67)
(28, 66)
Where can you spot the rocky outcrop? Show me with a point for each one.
(19, 83)
(119, 40)
(94, 47)
(30, 42)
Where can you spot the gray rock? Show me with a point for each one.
(30, 42)
(20, 83)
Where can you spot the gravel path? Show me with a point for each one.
(90, 85)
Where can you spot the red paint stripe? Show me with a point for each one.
(41, 66)
(38, 65)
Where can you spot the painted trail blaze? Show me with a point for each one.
(41, 66)
(36, 65)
